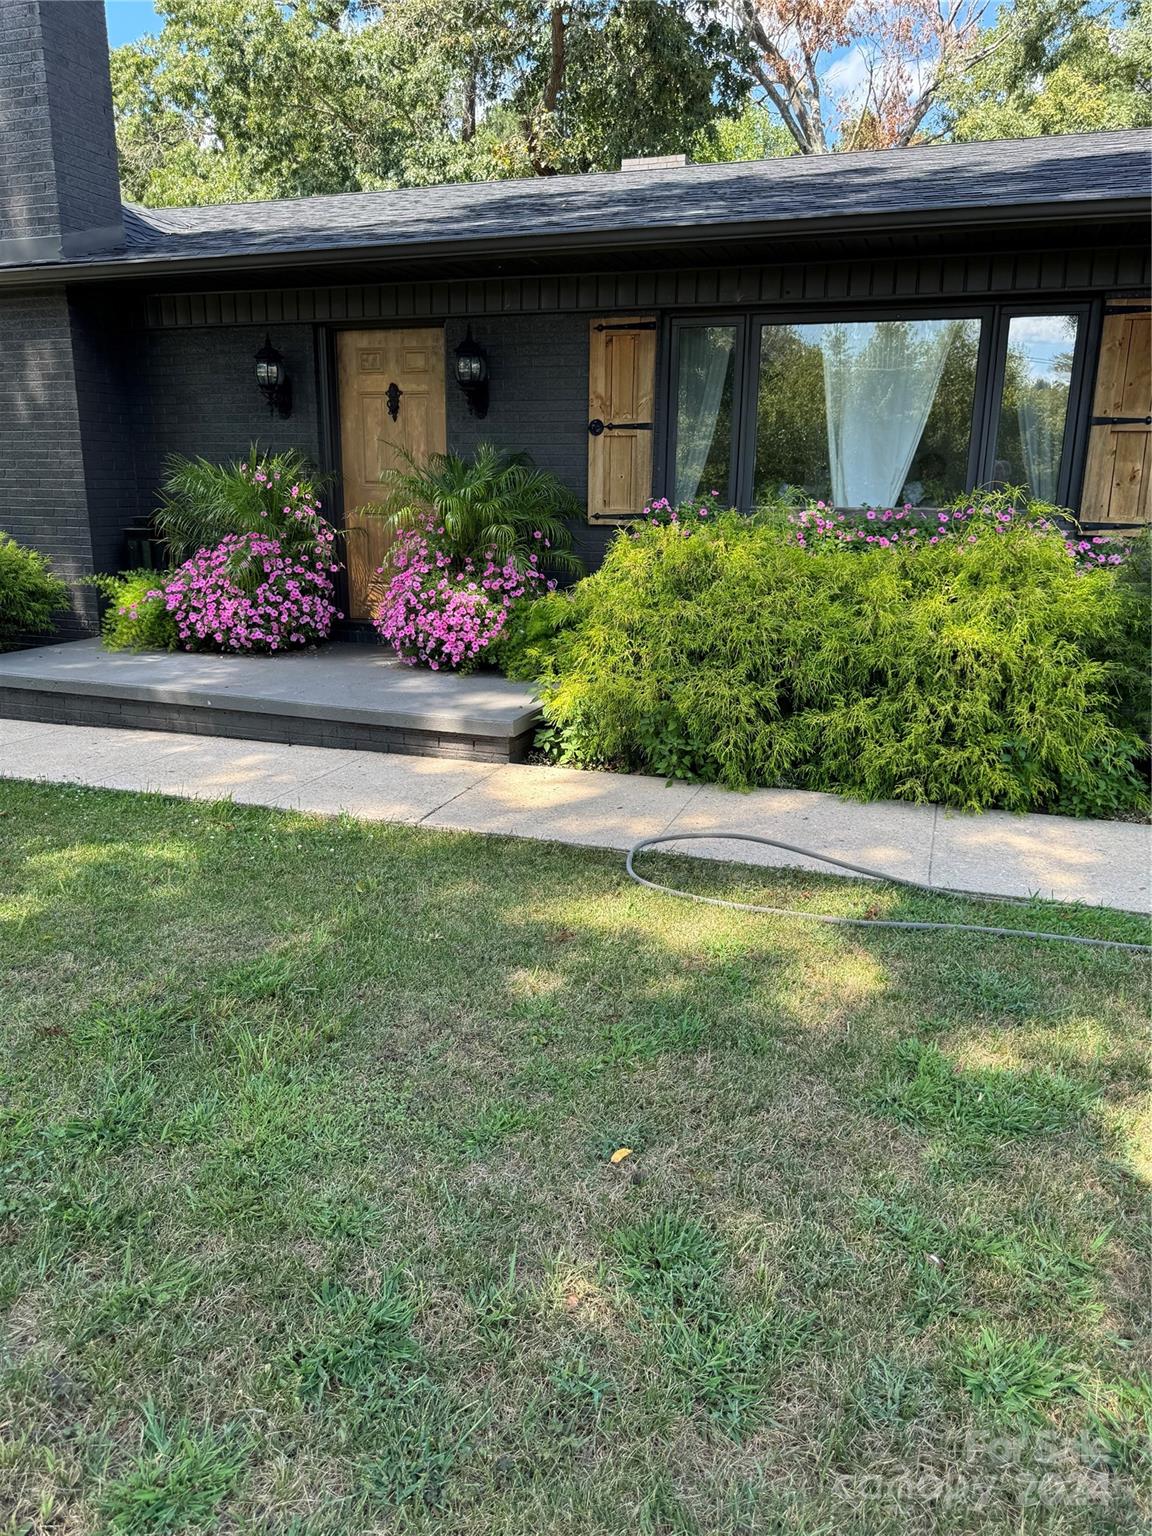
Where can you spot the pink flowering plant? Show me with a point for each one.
(256, 562)
(686, 516)
(254, 593)
(473, 538)
(822, 526)
(445, 612)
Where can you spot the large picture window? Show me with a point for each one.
(862, 412)
(866, 413)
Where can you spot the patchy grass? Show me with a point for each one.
(309, 1223)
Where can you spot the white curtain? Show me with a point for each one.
(1041, 413)
(880, 379)
(705, 357)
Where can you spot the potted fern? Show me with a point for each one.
(474, 537)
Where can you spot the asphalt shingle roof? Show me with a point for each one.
(945, 179)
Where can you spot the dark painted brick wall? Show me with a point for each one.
(538, 403)
(105, 352)
(43, 501)
(58, 169)
(80, 102)
(28, 204)
(198, 396)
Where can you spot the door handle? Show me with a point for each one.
(392, 395)
(596, 426)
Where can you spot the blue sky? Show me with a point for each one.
(129, 19)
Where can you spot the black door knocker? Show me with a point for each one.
(392, 395)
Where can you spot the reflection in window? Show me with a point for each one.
(706, 355)
(866, 413)
(1034, 405)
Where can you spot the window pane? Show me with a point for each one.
(706, 357)
(866, 413)
(1034, 407)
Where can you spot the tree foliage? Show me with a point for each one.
(254, 98)
(1058, 67)
(238, 99)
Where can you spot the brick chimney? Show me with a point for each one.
(59, 181)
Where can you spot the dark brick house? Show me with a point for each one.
(861, 327)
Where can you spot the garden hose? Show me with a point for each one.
(856, 869)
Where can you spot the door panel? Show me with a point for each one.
(369, 362)
(621, 393)
(1118, 474)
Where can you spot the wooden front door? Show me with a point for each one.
(391, 404)
(1118, 473)
(621, 395)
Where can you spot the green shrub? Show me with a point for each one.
(976, 672)
(30, 596)
(136, 618)
(527, 645)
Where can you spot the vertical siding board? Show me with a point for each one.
(1079, 269)
(952, 275)
(685, 288)
(907, 279)
(1053, 270)
(883, 280)
(1003, 274)
(1131, 269)
(977, 274)
(1027, 272)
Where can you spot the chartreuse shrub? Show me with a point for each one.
(30, 595)
(136, 618)
(986, 669)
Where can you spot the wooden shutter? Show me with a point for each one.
(1118, 473)
(621, 394)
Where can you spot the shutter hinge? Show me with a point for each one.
(635, 325)
(1121, 421)
(596, 426)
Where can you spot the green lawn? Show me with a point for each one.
(308, 1222)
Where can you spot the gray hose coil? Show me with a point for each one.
(856, 869)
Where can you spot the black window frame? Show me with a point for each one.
(991, 361)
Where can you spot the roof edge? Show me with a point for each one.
(1104, 210)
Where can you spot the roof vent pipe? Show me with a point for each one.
(654, 163)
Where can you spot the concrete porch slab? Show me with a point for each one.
(348, 696)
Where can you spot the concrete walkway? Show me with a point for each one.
(1098, 862)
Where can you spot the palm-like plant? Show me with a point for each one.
(495, 501)
(204, 502)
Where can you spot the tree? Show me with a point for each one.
(757, 134)
(1061, 67)
(258, 98)
(849, 74)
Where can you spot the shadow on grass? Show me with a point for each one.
(354, 1074)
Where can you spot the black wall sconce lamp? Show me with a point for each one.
(272, 378)
(472, 374)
